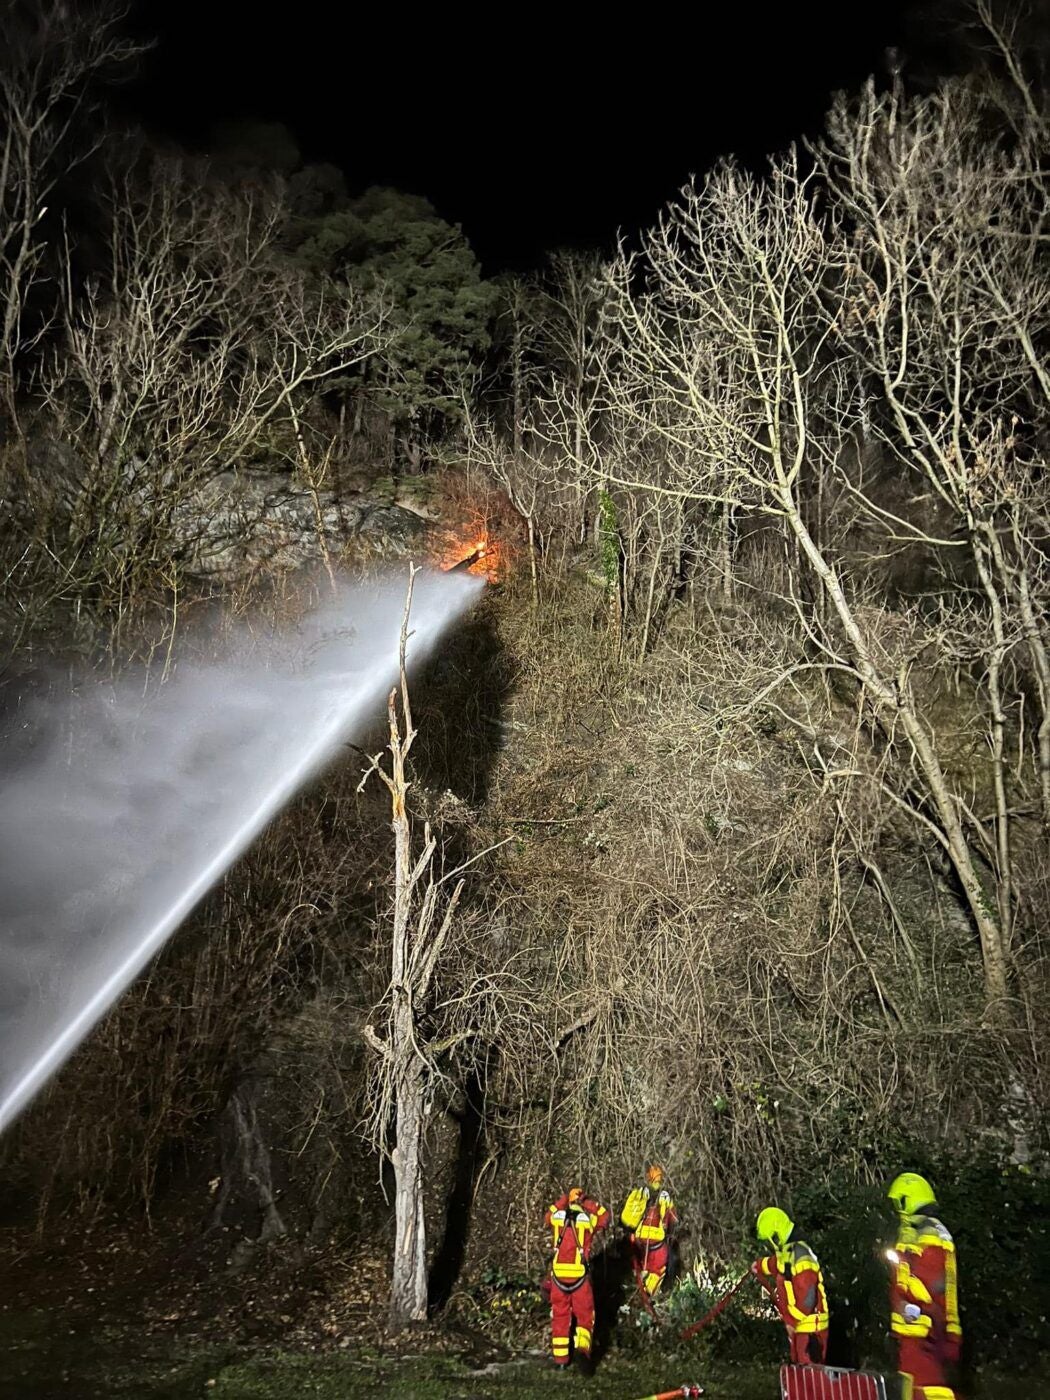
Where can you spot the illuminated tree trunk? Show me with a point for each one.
(408, 1288)
(405, 1054)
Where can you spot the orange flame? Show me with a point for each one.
(486, 556)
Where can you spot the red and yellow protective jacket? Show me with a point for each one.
(659, 1219)
(573, 1228)
(799, 1294)
(925, 1275)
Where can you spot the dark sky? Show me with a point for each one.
(531, 128)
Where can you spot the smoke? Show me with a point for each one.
(124, 803)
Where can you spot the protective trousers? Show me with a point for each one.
(576, 1306)
(922, 1370)
(650, 1265)
(808, 1348)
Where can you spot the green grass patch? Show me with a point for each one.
(42, 1360)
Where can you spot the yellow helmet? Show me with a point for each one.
(911, 1193)
(575, 1195)
(654, 1175)
(775, 1226)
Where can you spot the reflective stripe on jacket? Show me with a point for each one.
(659, 1217)
(572, 1233)
(800, 1296)
(925, 1274)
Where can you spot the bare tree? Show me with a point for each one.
(52, 53)
(944, 303)
(420, 922)
(197, 347)
(521, 471)
(735, 334)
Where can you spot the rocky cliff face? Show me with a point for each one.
(240, 522)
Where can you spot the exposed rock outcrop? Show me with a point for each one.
(242, 521)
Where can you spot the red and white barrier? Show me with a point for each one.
(830, 1383)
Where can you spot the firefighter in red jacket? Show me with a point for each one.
(924, 1297)
(798, 1287)
(573, 1220)
(650, 1214)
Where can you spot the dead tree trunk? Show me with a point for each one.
(404, 1081)
(408, 1284)
(408, 1289)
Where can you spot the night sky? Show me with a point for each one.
(532, 129)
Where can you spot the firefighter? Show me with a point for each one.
(924, 1299)
(649, 1214)
(574, 1220)
(798, 1290)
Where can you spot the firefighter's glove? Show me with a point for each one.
(756, 1268)
(912, 1312)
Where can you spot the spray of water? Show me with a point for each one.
(123, 805)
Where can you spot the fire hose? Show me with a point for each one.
(687, 1391)
(719, 1307)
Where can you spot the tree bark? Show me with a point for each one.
(408, 1289)
(408, 1285)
